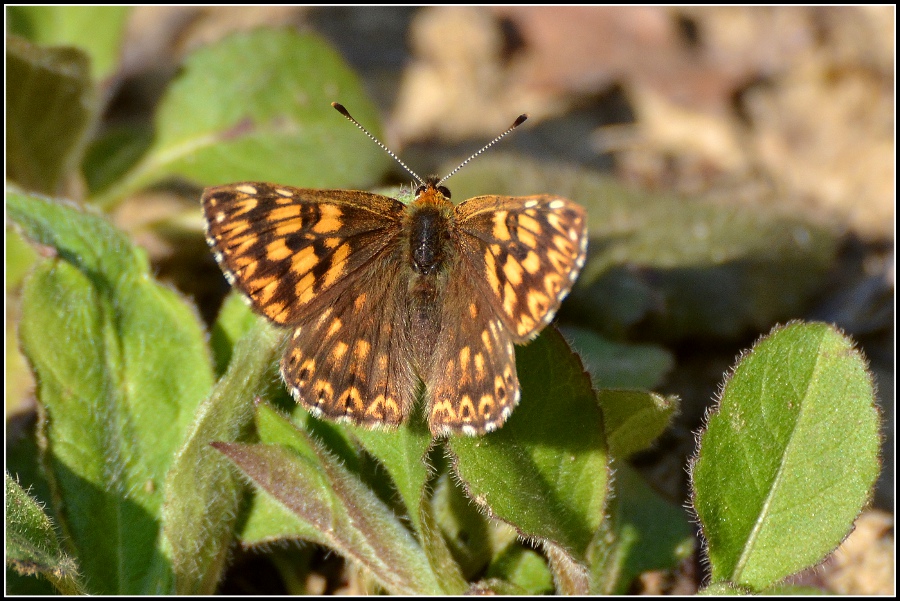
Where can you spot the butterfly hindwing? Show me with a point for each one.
(353, 361)
(471, 385)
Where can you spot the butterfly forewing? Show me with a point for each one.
(529, 250)
(291, 251)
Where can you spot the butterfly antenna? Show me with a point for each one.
(340, 108)
(518, 122)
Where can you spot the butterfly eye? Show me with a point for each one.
(444, 190)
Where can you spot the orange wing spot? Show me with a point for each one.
(559, 261)
(323, 317)
(288, 228)
(245, 206)
(486, 340)
(466, 409)
(555, 222)
(464, 353)
(500, 388)
(527, 238)
(242, 248)
(376, 408)
(234, 228)
(509, 299)
(329, 219)
(563, 244)
(359, 302)
(443, 412)
(277, 250)
(513, 272)
(266, 290)
(324, 391)
(391, 410)
(473, 310)
(361, 351)
(553, 284)
(277, 312)
(304, 289)
(525, 325)
(336, 270)
(501, 231)
(340, 349)
(306, 370)
(532, 263)
(486, 406)
(303, 260)
(538, 304)
(242, 262)
(382, 362)
(351, 401)
(333, 328)
(530, 224)
(289, 213)
(479, 367)
(491, 272)
(331, 243)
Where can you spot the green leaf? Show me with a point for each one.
(255, 107)
(667, 266)
(202, 494)
(523, 567)
(642, 532)
(121, 364)
(31, 544)
(235, 320)
(309, 482)
(545, 471)
(268, 521)
(723, 589)
(473, 539)
(789, 458)
(95, 30)
(113, 154)
(616, 364)
(20, 258)
(51, 108)
(634, 418)
(402, 452)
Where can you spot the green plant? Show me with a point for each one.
(154, 457)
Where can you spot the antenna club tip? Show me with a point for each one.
(520, 120)
(340, 108)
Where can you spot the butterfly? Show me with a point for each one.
(381, 294)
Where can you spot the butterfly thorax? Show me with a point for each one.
(428, 229)
(428, 225)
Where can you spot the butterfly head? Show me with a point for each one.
(430, 192)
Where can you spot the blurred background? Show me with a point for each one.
(775, 111)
